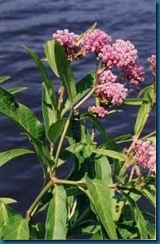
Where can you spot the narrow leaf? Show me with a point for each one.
(4, 78)
(64, 71)
(47, 111)
(133, 101)
(110, 153)
(56, 216)
(56, 130)
(99, 127)
(45, 78)
(17, 89)
(100, 197)
(49, 51)
(13, 153)
(16, 228)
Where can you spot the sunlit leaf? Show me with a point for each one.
(56, 130)
(110, 153)
(56, 226)
(101, 203)
(13, 153)
(4, 78)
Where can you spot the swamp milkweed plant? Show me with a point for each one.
(100, 197)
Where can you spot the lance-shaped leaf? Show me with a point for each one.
(101, 203)
(22, 115)
(49, 51)
(47, 110)
(56, 130)
(4, 78)
(57, 215)
(110, 153)
(17, 89)
(65, 73)
(82, 87)
(141, 223)
(27, 121)
(99, 127)
(144, 112)
(12, 225)
(13, 153)
(46, 80)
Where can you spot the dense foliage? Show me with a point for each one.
(99, 198)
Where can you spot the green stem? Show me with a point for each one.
(62, 139)
(30, 211)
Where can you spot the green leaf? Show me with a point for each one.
(99, 127)
(83, 87)
(49, 51)
(141, 223)
(150, 193)
(17, 89)
(7, 200)
(12, 225)
(103, 169)
(100, 198)
(143, 114)
(47, 111)
(16, 228)
(64, 70)
(56, 130)
(56, 216)
(27, 121)
(110, 153)
(92, 27)
(133, 101)
(141, 118)
(46, 80)
(20, 114)
(13, 153)
(123, 138)
(4, 78)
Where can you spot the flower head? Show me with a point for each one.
(107, 77)
(68, 40)
(152, 61)
(99, 111)
(121, 54)
(94, 41)
(145, 155)
(134, 73)
(114, 93)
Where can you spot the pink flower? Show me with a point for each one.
(94, 41)
(145, 155)
(121, 54)
(99, 111)
(114, 93)
(152, 61)
(134, 73)
(107, 77)
(68, 40)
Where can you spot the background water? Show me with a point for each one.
(31, 23)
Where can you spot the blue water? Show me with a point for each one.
(31, 23)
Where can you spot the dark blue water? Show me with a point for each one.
(31, 23)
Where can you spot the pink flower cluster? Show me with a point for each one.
(94, 41)
(68, 40)
(145, 155)
(108, 91)
(114, 93)
(99, 111)
(134, 73)
(121, 54)
(152, 61)
(107, 77)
